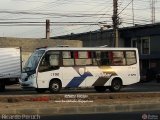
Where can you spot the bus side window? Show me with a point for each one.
(44, 65)
(104, 58)
(83, 58)
(96, 57)
(54, 60)
(118, 58)
(130, 57)
(68, 58)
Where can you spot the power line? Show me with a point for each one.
(83, 14)
(153, 11)
(43, 23)
(51, 13)
(125, 7)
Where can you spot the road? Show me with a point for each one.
(139, 87)
(152, 115)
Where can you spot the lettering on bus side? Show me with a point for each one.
(131, 75)
(107, 75)
(55, 74)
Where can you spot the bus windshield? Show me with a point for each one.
(33, 60)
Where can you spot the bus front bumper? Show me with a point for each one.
(27, 84)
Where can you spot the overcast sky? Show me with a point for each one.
(69, 11)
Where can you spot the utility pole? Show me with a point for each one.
(133, 11)
(47, 29)
(153, 11)
(115, 23)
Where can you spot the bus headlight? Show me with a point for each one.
(32, 76)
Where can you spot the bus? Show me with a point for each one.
(101, 68)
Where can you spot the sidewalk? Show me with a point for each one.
(83, 109)
(79, 106)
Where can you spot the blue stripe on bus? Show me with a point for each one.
(76, 81)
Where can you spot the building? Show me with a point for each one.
(145, 37)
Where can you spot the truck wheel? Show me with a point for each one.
(100, 88)
(2, 86)
(55, 86)
(40, 90)
(116, 85)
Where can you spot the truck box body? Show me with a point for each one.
(10, 62)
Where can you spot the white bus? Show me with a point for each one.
(64, 67)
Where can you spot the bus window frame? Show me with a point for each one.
(74, 54)
(135, 54)
(92, 57)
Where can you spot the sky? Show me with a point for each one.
(92, 13)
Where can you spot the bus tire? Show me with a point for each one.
(55, 86)
(40, 90)
(116, 85)
(100, 88)
(2, 85)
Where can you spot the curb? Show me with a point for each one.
(83, 110)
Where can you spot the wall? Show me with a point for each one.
(155, 42)
(28, 45)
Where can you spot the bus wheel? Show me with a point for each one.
(100, 88)
(40, 90)
(116, 85)
(55, 86)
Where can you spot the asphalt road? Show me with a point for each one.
(139, 87)
(143, 115)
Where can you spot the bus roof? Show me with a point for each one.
(85, 48)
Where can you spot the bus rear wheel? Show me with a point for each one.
(55, 86)
(100, 88)
(116, 85)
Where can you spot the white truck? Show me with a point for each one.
(10, 66)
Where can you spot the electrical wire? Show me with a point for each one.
(95, 11)
(125, 7)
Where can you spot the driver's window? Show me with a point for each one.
(49, 61)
